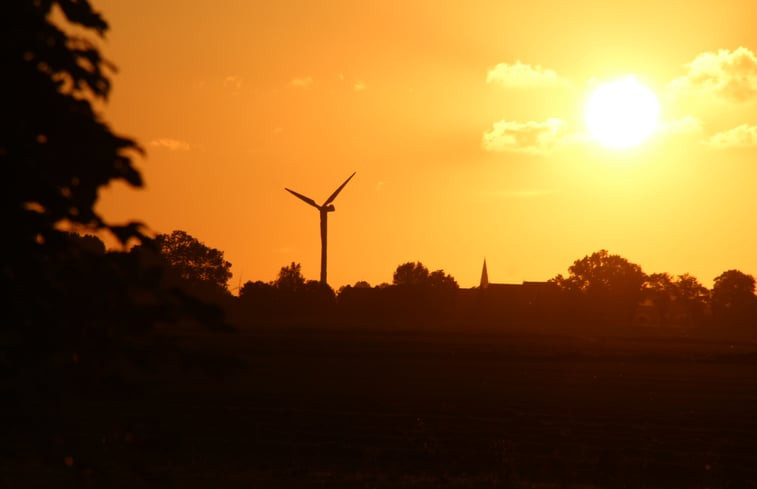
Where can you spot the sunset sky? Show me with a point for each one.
(463, 120)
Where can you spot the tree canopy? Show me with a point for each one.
(78, 320)
(679, 300)
(55, 149)
(290, 278)
(610, 285)
(56, 153)
(67, 297)
(733, 297)
(192, 260)
(415, 274)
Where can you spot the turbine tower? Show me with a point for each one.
(324, 210)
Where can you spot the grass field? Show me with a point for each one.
(340, 408)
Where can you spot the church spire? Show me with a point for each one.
(484, 277)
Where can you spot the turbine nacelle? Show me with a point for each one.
(329, 208)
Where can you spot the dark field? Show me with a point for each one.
(322, 409)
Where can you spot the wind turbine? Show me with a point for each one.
(324, 210)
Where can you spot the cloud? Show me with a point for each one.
(233, 81)
(523, 75)
(170, 144)
(683, 125)
(743, 136)
(536, 137)
(730, 74)
(359, 86)
(302, 82)
(526, 193)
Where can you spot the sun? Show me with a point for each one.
(622, 113)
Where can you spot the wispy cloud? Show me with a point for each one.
(170, 144)
(730, 74)
(233, 81)
(525, 193)
(743, 136)
(359, 86)
(683, 125)
(302, 82)
(523, 75)
(536, 137)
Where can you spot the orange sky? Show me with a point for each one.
(443, 109)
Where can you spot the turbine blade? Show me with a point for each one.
(307, 200)
(336, 192)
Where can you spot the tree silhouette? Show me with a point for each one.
(250, 288)
(75, 315)
(692, 297)
(410, 274)
(288, 299)
(733, 298)
(682, 300)
(195, 263)
(440, 280)
(315, 299)
(258, 301)
(609, 285)
(290, 278)
(54, 149)
(415, 274)
(88, 242)
(659, 287)
(419, 296)
(56, 153)
(360, 284)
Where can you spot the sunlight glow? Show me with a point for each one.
(622, 113)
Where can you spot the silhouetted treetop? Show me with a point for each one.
(251, 287)
(733, 297)
(290, 278)
(410, 273)
(731, 288)
(192, 260)
(439, 279)
(688, 288)
(54, 148)
(602, 272)
(660, 288)
(610, 284)
(360, 284)
(415, 274)
(679, 300)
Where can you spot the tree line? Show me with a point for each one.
(599, 288)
